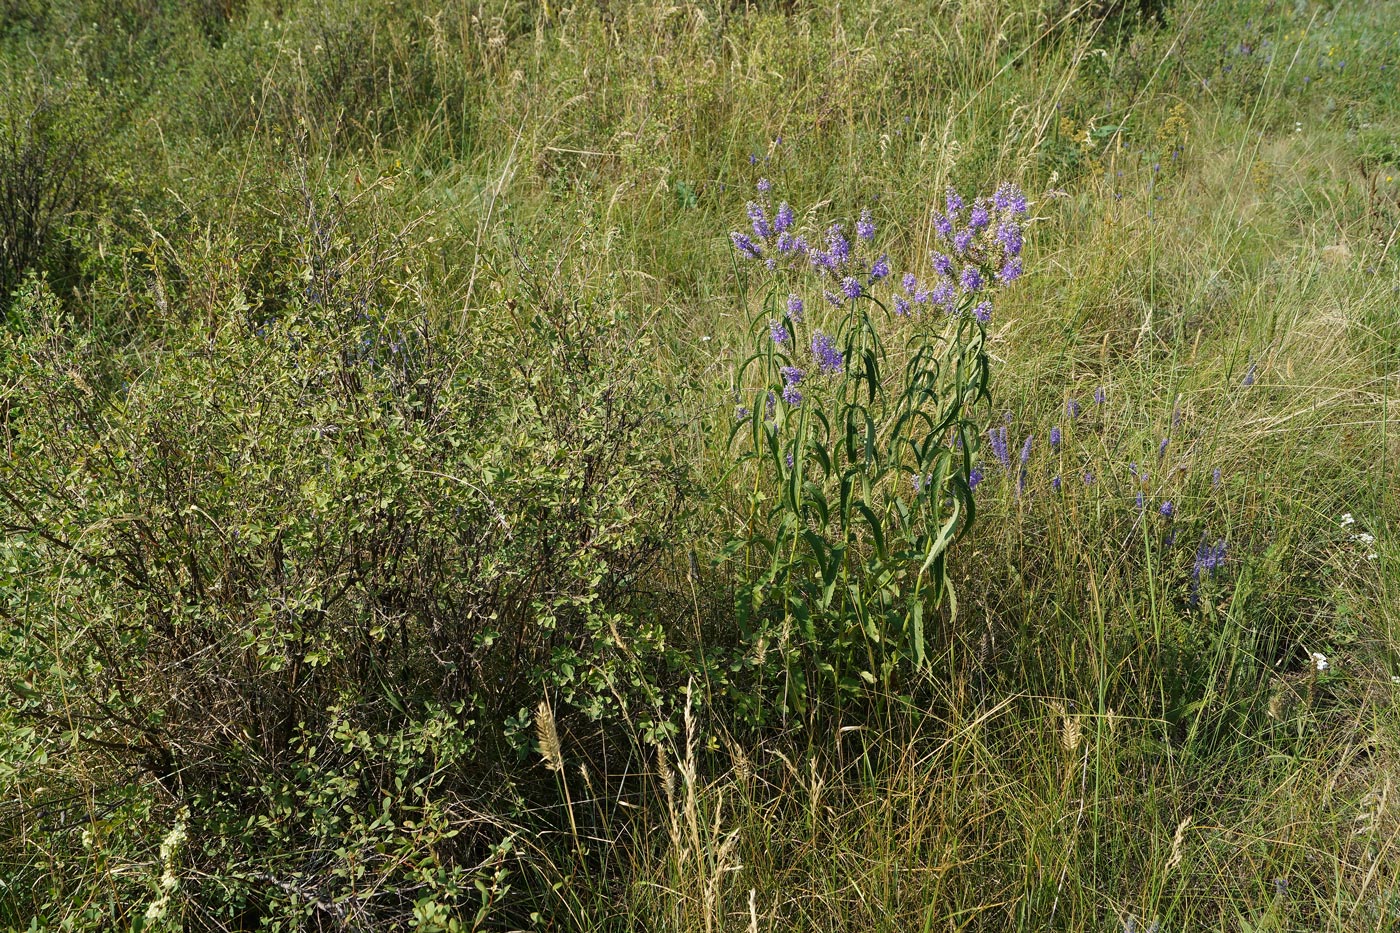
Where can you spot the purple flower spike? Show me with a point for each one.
(1167, 510)
(829, 359)
(974, 477)
(962, 240)
(880, 269)
(792, 394)
(745, 244)
(1162, 448)
(1100, 396)
(999, 450)
(1010, 272)
(1010, 237)
(850, 286)
(901, 306)
(1055, 483)
(1073, 408)
(1009, 199)
(761, 229)
(1215, 477)
(838, 248)
(971, 280)
(943, 226)
(778, 332)
(978, 218)
(865, 227)
(783, 220)
(910, 283)
(1026, 449)
(954, 201)
(942, 263)
(983, 312)
(794, 308)
(1055, 438)
(764, 185)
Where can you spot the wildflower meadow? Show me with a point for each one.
(752, 465)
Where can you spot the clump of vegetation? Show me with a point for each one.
(419, 510)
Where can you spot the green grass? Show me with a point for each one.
(1099, 743)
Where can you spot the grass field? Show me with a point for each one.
(419, 512)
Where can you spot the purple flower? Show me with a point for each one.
(1055, 438)
(954, 201)
(778, 332)
(760, 222)
(1141, 501)
(764, 185)
(1010, 237)
(791, 377)
(850, 286)
(1167, 510)
(1100, 396)
(962, 240)
(1215, 477)
(901, 306)
(794, 308)
(942, 294)
(983, 311)
(1009, 198)
(1088, 478)
(791, 460)
(1055, 483)
(942, 225)
(1010, 272)
(978, 218)
(1209, 558)
(769, 405)
(909, 282)
(974, 477)
(786, 243)
(865, 227)
(833, 297)
(942, 263)
(999, 450)
(880, 269)
(971, 279)
(783, 219)
(1162, 448)
(837, 246)
(740, 412)
(1249, 375)
(1026, 449)
(744, 244)
(1073, 408)
(829, 359)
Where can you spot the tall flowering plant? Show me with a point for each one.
(858, 420)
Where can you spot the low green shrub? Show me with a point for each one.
(307, 567)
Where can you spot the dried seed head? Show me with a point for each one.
(548, 735)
